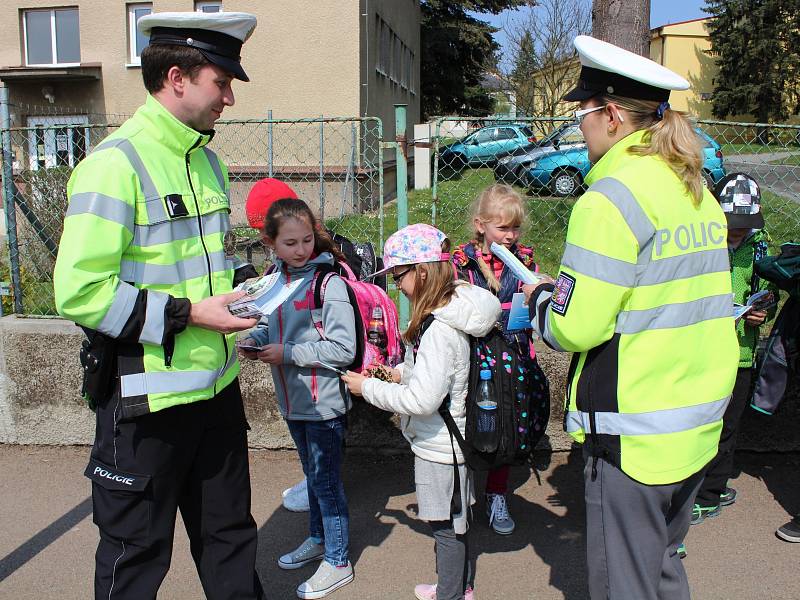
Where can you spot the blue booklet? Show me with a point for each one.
(518, 317)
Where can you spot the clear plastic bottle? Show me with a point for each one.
(376, 330)
(486, 438)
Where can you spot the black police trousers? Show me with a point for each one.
(193, 458)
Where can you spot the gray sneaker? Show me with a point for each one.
(307, 552)
(326, 580)
(497, 511)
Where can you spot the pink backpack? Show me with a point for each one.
(364, 298)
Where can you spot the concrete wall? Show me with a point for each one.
(40, 379)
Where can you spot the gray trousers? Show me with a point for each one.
(454, 565)
(633, 531)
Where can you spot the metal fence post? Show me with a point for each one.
(321, 169)
(401, 155)
(269, 141)
(9, 193)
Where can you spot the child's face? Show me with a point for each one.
(294, 243)
(405, 278)
(498, 232)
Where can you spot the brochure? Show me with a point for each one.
(264, 295)
(524, 274)
(762, 300)
(518, 316)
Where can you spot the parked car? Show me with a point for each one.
(561, 169)
(511, 169)
(483, 147)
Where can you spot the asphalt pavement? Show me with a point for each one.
(47, 539)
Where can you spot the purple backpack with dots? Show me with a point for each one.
(506, 433)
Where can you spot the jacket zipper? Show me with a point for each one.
(280, 341)
(187, 158)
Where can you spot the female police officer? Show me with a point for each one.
(643, 299)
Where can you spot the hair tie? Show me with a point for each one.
(661, 109)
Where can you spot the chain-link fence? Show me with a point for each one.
(546, 160)
(335, 164)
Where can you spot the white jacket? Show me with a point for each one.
(441, 368)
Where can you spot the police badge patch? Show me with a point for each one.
(562, 293)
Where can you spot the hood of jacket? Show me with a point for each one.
(472, 310)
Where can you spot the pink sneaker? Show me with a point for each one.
(427, 591)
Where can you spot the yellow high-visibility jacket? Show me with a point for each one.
(643, 299)
(143, 239)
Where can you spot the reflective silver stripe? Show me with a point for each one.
(106, 207)
(547, 335)
(598, 266)
(153, 329)
(680, 314)
(215, 166)
(621, 197)
(180, 229)
(156, 211)
(190, 268)
(686, 265)
(120, 310)
(669, 420)
(171, 382)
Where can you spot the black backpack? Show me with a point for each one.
(522, 393)
(361, 258)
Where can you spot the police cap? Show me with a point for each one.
(218, 36)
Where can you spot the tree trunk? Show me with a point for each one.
(624, 23)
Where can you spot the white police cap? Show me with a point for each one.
(608, 69)
(218, 36)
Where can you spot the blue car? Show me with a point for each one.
(561, 171)
(483, 147)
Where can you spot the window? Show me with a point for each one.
(52, 37)
(137, 41)
(485, 135)
(506, 133)
(57, 141)
(208, 7)
(384, 48)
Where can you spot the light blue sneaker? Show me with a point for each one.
(307, 552)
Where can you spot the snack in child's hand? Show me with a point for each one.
(380, 372)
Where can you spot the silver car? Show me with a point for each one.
(512, 168)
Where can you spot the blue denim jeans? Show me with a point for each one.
(320, 445)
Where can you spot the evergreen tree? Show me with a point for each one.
(456, 50)
(756, 44)
(523, 80)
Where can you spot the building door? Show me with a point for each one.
(60, 141)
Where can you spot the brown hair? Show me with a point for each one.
(433, 290)
(497, 202)
(158, 59)
(672, 138)
(293, 208)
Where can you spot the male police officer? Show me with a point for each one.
(141, 266)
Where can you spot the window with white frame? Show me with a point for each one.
(208, 7)
(137, 41)
(52, 37)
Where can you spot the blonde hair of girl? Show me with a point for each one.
(672, 138)
(500, 204)
(434, 286)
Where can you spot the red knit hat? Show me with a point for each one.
(262, 195)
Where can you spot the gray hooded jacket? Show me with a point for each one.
(305, 390)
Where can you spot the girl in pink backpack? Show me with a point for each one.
(444, 313)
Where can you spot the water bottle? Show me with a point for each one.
(487, 430)
(376, 331)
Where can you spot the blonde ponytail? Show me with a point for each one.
(672, 138)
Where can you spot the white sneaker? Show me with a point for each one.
(499, 518)
(326, 580)
(295, 498)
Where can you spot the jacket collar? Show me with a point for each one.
(612, 159)
(167, 130)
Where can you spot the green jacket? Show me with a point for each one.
(642, 288)
(742, 259)
(143, 239)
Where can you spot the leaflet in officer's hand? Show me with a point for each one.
(523, 273)
(264, 295)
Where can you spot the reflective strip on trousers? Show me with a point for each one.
(681, 314)
(184, 270)
(172, 381)
(120, 310)
(103, 206)
(154, 320)
(668, 420)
